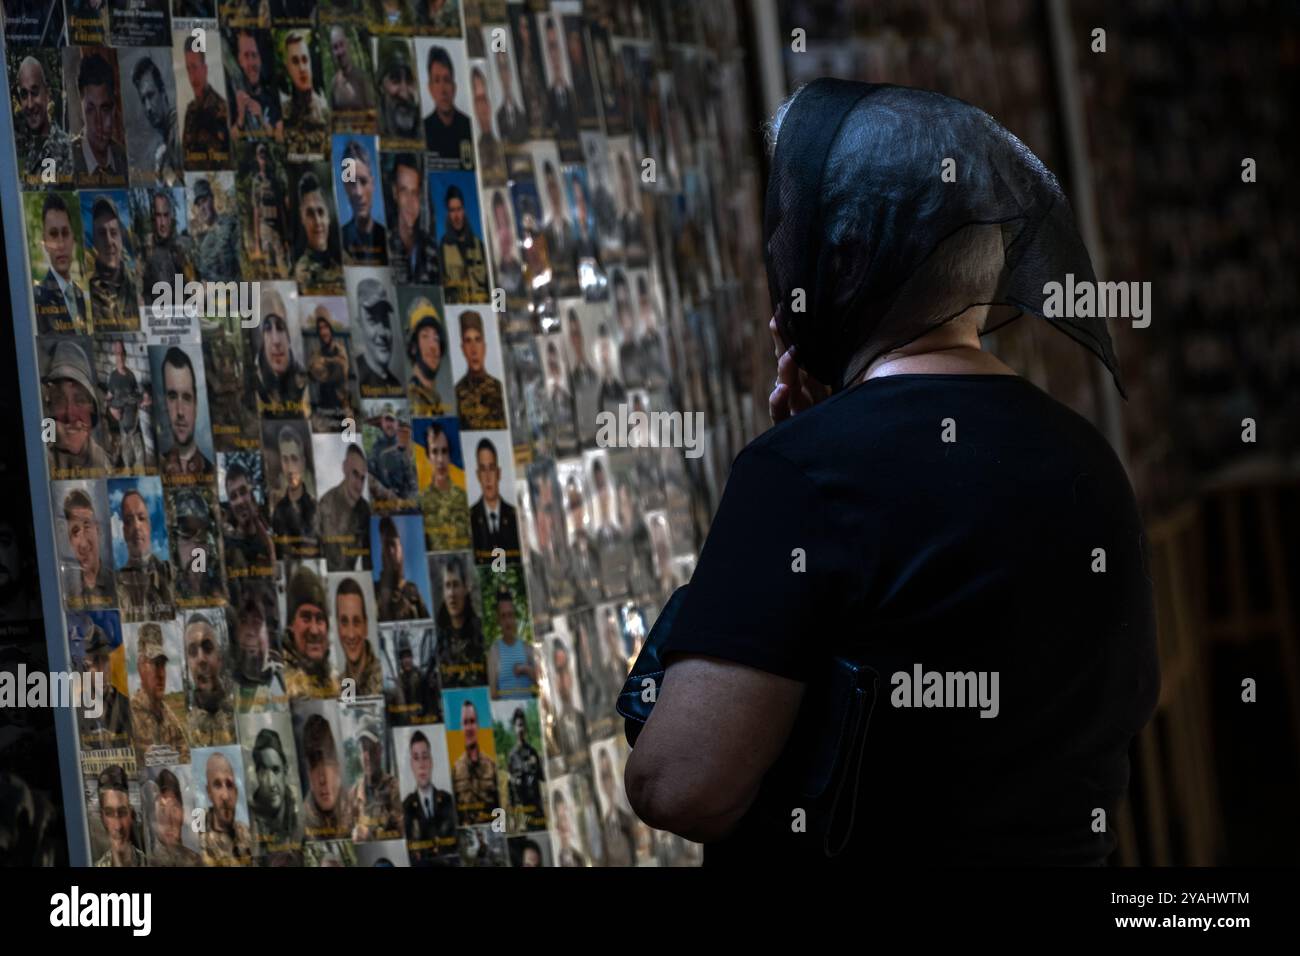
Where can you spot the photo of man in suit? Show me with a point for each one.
(492, 519)
(428, 812)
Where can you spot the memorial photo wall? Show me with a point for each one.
(392, 355)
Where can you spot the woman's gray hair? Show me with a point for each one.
(772, 128)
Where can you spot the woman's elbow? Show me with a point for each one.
(681, 803)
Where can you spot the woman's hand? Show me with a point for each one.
(795, 390)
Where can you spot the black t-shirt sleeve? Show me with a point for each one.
(755, 599)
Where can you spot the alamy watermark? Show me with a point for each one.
(209, 300)
(638, 429)
(37, 689)
(955, 689)
(1098, 300)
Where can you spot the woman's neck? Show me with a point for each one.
(951, 349)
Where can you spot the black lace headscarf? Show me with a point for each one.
(861, 225)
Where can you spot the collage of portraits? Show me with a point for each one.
(340, 534)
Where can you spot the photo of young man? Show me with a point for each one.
(205, 137)
(43, 144)
(98, 156)
(54, 245)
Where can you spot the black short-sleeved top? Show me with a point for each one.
(975, 554)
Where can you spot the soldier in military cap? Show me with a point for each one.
(225, 841)
(443, 503)
(181, 396)
(479, 396)
(307, 663)
(71, 398)
(39, 135)
(326, 814)
(426, 347)
(386, 422)
(399, 116)
(328, 373)
(399, 599)
(571, 724)
(112, 728)
(474, 775)
(168, 818)
(118, 817)
(90, 585)
(361, 665)
(153, 725)
(114, 297)
(319, 267)
(345, 515)
(212, 705)
(281, 381)
(273, 809)
(144, 583)
(195, 537)
(394, 476)
(461, 254)
(374, 369)
(526, 770)
(259, 670)
(375, 797)
(217, 236)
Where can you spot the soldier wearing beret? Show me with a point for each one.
(478, 395)
(118, 817)
(306, 658)
(153, 725)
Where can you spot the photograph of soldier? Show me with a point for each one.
(331, 382)
(364, 239)
(327, 814)
(598, 696)
(70, 398)
(184, 435)
(274, 801)
(245, 529)
(307, 668)
(586, 239)
(103, 652)
(528, 60)
(259, 663)
(507, 269)
(205, 135)
(511, 665)
(519, 737)
(380, 371)
(461, 255)
(401, 571)
(225, 839)
(631, 223)
(448, 138)
(117, 815)
(156, 730)
(481, 846)
(281, 377)
(399, 94)
(438, 17)
(141, 551)
(528, 852)
(255, 102)
(344, 509)
(564, 839)
(160, 223)
(214, 225)
(443, 501)
(612, 393)
(412, 248)
(42, 141)
(348, 79)
(561, 243)
(613, 542)
(394, 484)
(168, 817)
(373, 792)
(98, 156)
(291, 486)
(552, 590)
(654, 366)
(127, 429)
(85, 552)
(306, 111)
(426, 350)
(580, 69)
(318, 266)
(110, 261)
(461, 660)
(352, 601)
(428, 809)
(561, 412)
(620, 830)
(492, 519)
(512, 121)
(211, 720)
(479, 394)
(151, 124)
(196, 546)
(561, 104)
(491, 154)
(566, 702)
(472, 749)
(54, 247)
(231, 406)
(584, 564)
(329, 853)
(262, 185)
(412, 687)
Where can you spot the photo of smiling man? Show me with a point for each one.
(318, 263)
(307, 668)
(54, 236)
(44, 147)
(352, 601)
(356, 167)
(85, 554)
(98, 157)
